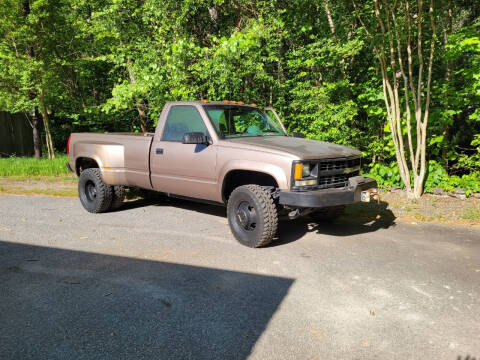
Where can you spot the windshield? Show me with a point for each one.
(232, 121)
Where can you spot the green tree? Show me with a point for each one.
(36, 41)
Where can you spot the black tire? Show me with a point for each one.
(252, 215)
(95, 195)
(118, 195)
(327, 214)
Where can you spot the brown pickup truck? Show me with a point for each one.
(226, 153)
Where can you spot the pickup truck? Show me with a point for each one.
(227, 153)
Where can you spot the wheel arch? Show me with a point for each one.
(238, 177)
(86, 162)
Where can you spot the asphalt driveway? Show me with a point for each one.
(166, 280)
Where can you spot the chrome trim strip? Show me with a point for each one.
(352, 169)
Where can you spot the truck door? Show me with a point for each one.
(183, 169)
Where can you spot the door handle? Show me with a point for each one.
(159, 151)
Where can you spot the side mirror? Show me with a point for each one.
(195, 138)
(297, 135)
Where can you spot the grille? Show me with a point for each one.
(332, 173)
(335, 181)
(340, 164)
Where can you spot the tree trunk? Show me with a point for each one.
(37, 145)
(46, 125)
(448, 77)
(389, 50)
(142, 114)
(329, 18)
(331, 25)
(141, 108)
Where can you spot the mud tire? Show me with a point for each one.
(95, 195)
(118, 195)
(252, 215)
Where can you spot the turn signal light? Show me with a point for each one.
(297, 174)
(233, 102)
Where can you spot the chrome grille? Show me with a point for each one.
(334, 181)
(334, 173)
(338, 164)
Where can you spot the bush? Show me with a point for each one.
(388, 176)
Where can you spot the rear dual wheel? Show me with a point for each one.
(95, 195)
(118, 195)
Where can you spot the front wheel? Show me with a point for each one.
(252, 215)
(95, 195)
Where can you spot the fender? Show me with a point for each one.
(109, 157)
(267, 168)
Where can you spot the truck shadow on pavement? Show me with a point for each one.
(159, 200)
(359, 218)
(64, 304)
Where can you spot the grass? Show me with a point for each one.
(23, 167)
(46, 179)
(29, 176)
(471, 213)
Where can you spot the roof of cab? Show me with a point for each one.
(202, 102)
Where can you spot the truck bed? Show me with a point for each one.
(122, 157)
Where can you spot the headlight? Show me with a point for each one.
(305, 174)
(306, 170)
(301, 171)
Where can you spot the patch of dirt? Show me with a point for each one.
(442, 209)
(48, 186)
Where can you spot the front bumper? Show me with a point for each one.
(328, 197)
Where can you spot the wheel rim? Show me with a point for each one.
(90, 191)
(246, 216)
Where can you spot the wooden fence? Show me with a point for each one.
(15, 135)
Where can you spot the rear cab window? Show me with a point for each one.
(182, 119)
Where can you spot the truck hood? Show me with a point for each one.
(302, 148)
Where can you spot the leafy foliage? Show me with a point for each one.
(437, 177)
(111, 66)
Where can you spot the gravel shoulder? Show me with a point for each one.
(65, 186)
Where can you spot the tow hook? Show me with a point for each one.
(367, 195)
(296, 213)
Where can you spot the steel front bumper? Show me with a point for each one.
(328, 197)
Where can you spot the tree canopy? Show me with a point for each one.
(354, 72)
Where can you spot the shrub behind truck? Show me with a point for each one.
(225, 153)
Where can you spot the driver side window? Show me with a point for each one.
(182, 119)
